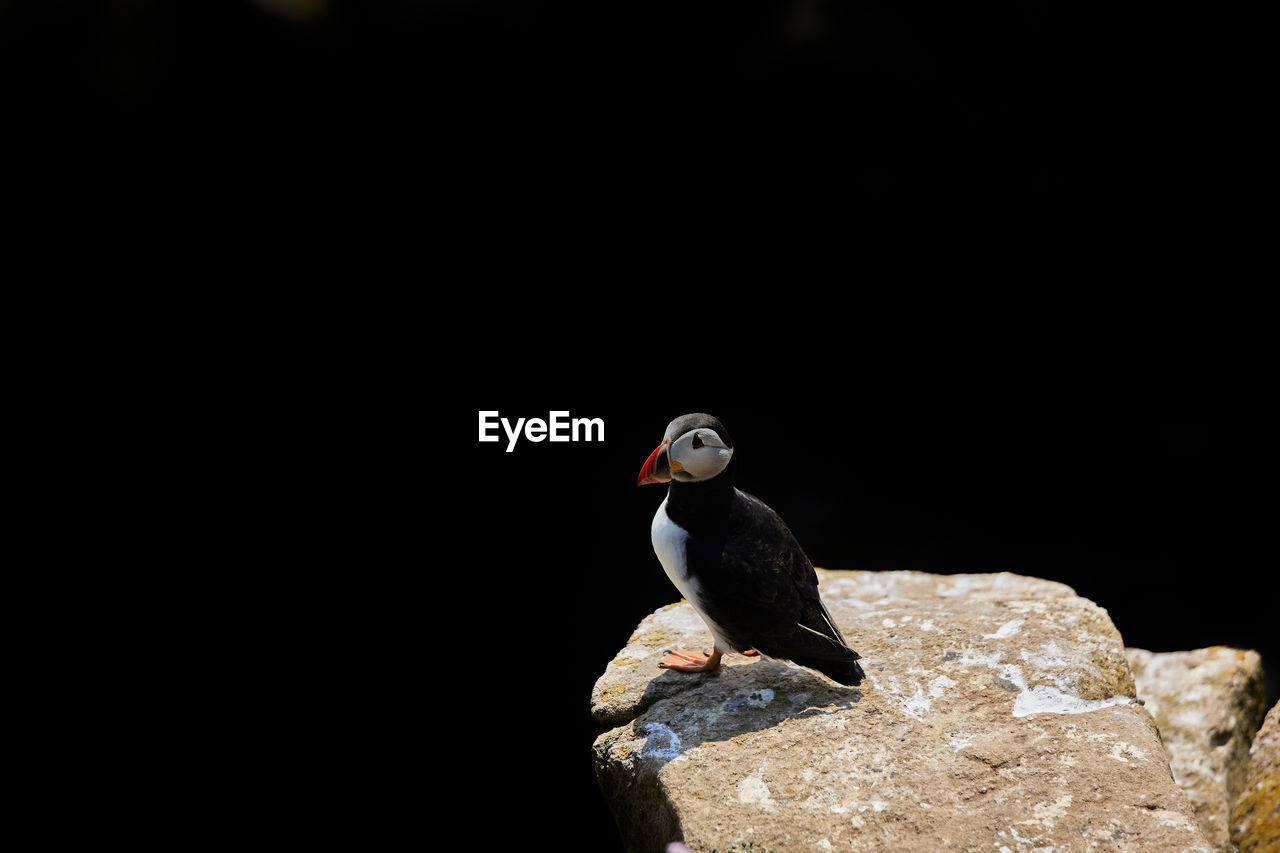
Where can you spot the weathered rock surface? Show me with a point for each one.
(1255, 822)
(1208, 704)
(999, 713)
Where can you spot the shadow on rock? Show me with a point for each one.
(731, 702)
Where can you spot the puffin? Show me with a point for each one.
(735, 560)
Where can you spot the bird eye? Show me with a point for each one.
(697, 441)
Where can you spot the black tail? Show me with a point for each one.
(847, 673)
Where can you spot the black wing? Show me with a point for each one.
(767, 595)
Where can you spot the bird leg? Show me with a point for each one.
(691, 661)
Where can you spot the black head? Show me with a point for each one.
(695, 448)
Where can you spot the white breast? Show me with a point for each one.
(668, 543)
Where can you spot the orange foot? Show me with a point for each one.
(751, 652)
(690, 661)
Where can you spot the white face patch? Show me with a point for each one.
(699, 454)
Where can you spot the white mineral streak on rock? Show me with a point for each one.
(969, 657)
(938, 685)
(1045, 812)
(1006, 630)
(915, 703)
(1040, 698)
(1049, 657)
(753, 789)
(661, 743)
(1044, 699)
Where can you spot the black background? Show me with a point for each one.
(562, 190)
(1126, 123)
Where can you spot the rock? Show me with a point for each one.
(999, 713)
(1207, 703)
(1255, 821)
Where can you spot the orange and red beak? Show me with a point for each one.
(656, 468)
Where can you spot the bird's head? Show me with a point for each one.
(694, 448)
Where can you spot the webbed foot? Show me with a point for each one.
(690, 661)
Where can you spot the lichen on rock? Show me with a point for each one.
(1255, 820)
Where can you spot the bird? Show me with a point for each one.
(735, 560)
